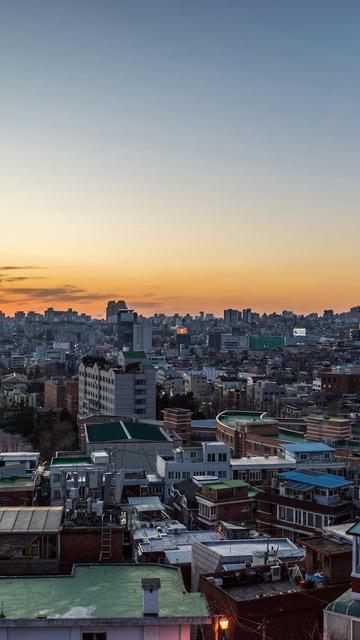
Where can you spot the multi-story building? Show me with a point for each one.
(142, 334)
(209, 459)
(328, 429)
(62, 393)
(178, 420)
(226, 500)
(235, 428)
(305, 503)
(195, 384)
(117, 391)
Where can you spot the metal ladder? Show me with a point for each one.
(105, 552)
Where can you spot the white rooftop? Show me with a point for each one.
(283, 547)
(261, 461)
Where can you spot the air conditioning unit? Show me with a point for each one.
(275, 573)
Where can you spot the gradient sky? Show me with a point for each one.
(180, 154)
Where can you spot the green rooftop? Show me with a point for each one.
(229, 418)
(130, 355)
(71, 460)
(346, 605)
(117, 431)
(232, 484)
(144, 431)
(103, 592)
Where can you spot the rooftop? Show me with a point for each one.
(119, 430)
(322, 480)
(30, 519)
(71, 460)
(346, 605)
(308, 447)
(256, 461)
(105, 592)
(16, 483)
(150, 541)
(328, 544)
(247, 547)
(230, 418)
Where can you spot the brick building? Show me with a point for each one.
(226, 500)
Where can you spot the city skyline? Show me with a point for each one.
(183, 156)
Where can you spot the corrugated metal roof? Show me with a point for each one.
(324, 480)
(30, 519)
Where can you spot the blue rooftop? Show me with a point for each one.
(323, 480)
(310, 447)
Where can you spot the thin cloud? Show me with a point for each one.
(18, 267)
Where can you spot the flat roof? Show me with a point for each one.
(226, 484)
(119, 430)
(71, 460)
(104, 592)
(247, 547)
(30, 519)
(229, 418)
(328, 544)
(308, 447)
(257, 461)
(322, 480)
(150, 543)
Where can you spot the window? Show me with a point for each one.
(310, 520)
(193, 454)
(222, 457)
(318, 521)
(94, 636)
(211, 457)
(303, 456)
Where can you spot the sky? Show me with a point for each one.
(184, 155)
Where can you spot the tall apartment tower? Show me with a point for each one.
(142, 334)
(117, 391)
(112, 310)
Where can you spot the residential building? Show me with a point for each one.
(102, 602)
(226, 500)
(328, 429)
(130, 445)
(179, 421)
(209, 459)
(117, 391)
(304, 503)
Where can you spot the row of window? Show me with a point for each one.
(178, 475)
(305, 518)
(211, 457)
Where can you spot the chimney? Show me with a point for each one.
(151, 587)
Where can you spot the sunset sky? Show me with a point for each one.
(180, 154)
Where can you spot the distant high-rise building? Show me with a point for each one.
(247, 315)
(328, 314)
(232, 316)
(142, 334)
(125, 328)
(112, 310)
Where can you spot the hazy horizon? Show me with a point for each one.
(181, 155)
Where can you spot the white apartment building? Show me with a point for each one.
(210, 459)
(117, 391)
(142, 334)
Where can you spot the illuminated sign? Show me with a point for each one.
(181, 330)
(299, 333)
